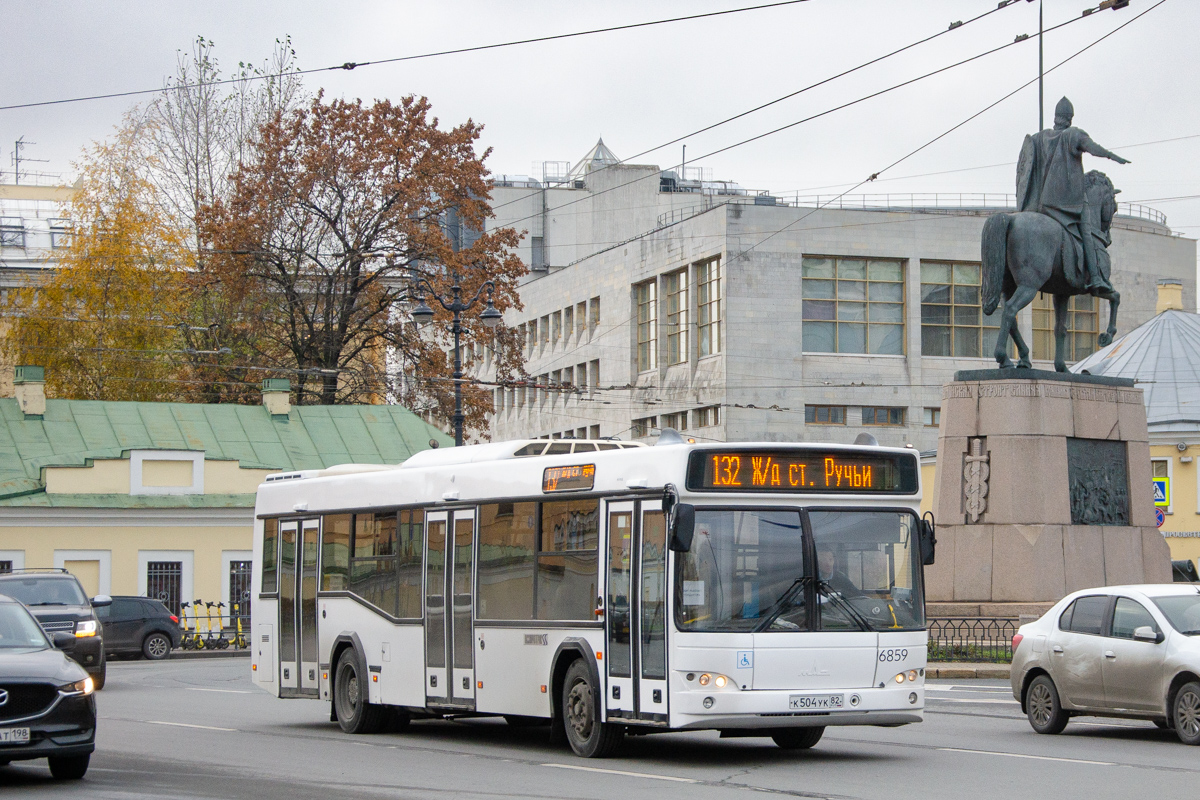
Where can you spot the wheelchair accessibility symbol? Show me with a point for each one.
(745, 659)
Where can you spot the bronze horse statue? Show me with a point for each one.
(1016, 265)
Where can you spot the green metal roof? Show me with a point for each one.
(73, 433)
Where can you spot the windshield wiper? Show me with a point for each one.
(777, 609)
(47, 603)
(833, 594)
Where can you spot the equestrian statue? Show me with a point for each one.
(1056, 242)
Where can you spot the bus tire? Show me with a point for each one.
(354, 713)
(798, 738)
(587, 735)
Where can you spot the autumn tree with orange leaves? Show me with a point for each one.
(336, 207)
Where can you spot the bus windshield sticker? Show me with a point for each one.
(802, 471)
(569, 479)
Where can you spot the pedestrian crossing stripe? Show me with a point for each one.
(1162, 491)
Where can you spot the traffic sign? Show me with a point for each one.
(1159, 517)
(1162, 491)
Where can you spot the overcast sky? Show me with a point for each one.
(640, 88)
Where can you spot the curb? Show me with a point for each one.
(202, 654)
(969, 671)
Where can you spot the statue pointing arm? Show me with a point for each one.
(1088, 146)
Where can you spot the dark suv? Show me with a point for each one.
(59, 604)
(138, 625)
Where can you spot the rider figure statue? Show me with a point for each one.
(1050, 181)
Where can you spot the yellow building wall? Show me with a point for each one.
(104, 476)
(1183, 517)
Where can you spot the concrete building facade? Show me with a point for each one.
(658, 302)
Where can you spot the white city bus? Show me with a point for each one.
(599, 587)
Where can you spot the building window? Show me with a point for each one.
(707, 417)
(594, 374)
(12, 232)
(644, 427)
(676, 289)
(164, 582)
(825, 415)
(594, 432)
(568, 317)
(646, 299)
(852, 305)
(952, 320)
(555, 326)
(240, 575)
(677, 421)
(60, 233)
(537, 249)
(882, 415)
(933, 417)
(708, 307)
(580, 317)
(594, 315)
(6, 567)
(544, 330)
(1082, 327)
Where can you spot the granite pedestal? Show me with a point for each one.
(1043, 487)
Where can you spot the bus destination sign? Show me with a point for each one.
(812, 471)
(569, 479)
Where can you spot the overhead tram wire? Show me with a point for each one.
(950, 130)
(864, 98)
(953, 27)
(351, 65)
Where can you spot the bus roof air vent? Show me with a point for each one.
(866, 439)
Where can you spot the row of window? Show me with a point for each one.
(871, 415)
(677, 311)
(565, 382)
(679, 420)
(537, 561)
(12, 232)
(548, 330)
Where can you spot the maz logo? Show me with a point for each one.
(813, 672)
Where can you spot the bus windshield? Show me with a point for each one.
(746, 572)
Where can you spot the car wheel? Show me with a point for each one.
(587, 735)
(1186, 713)
(69, 768)
(354, 713)
(798, 738)
(98, 678)
(156, 647)
(1043, 707)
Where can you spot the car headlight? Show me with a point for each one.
(78, 688)
(87, 627)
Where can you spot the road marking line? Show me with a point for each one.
(623, 772)
(968, 700)
(186, 725)
(223, 691)
(1023, 755)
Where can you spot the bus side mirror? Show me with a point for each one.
(928, 539)
(683, 527)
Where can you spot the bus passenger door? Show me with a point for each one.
(652, 616)
(449, 607)
(299, 545)
(618, 605)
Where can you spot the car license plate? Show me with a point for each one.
(817, 702)
(14, 735)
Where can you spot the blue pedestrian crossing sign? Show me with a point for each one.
(1159, 517)
(1162, 491)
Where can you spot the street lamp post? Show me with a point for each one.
(423, 314)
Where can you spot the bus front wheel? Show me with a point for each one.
(354, 713)
(798, 738)
(588, 736)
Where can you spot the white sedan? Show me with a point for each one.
(1116, 651)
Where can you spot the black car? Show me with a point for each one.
(47, 708)
(59, 604)
(138, 626)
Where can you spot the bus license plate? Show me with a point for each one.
(14, 735)
(817, 702)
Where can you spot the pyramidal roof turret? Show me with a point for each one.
(598, 157)
(1163, 356)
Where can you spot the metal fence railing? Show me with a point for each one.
(972, 639)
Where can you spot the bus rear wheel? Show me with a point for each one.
(587, 735)
(798, 738)
(354, 713)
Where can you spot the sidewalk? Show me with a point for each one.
(960, 671)
(230, 653)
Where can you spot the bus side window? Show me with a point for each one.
(270, 557)
(568, 560)
(507, 544)
(410, 547)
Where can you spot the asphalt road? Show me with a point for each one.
(200, 730)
